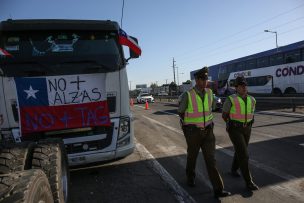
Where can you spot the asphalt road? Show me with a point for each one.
(155, 172)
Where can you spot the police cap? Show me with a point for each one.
(202, 73)
(240, 80)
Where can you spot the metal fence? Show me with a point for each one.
(262, 102)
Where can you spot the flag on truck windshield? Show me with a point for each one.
(124, 39)
(4, 53)
(62, 102)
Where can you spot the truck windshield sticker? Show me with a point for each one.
(12, 48)
(61, 102)
(62, 43)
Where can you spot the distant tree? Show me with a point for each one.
(153, 85)
(172, 88)
(134, 93)
(154, 88)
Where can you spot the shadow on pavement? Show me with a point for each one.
(137, 182)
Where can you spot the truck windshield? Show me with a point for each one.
(60, 52)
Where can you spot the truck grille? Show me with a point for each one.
(78, 147)
(85, 146)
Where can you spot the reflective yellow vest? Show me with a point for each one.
(199, 113)
(240, 111)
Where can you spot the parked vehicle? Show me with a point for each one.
(143, 97)
(218, 103)
(63, 101)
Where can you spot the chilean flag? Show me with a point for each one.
(124, 39)
(4, 53)
(61, 102)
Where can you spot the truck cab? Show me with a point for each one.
(66, 79)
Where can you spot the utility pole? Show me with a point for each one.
(177, 76)
(174, 70)
(130, 84)
(166, 81)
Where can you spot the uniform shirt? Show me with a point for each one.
(183, 105)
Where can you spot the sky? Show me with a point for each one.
(195, 33)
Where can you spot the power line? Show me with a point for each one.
(246, 29)
(255, 42)
(243, 39)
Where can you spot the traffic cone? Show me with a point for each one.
(131, 102)
(147, 105)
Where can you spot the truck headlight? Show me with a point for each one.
(124, 127)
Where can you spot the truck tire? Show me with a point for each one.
(16, 157)
(30, 186)
(50, 156)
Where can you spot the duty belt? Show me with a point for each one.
(199, 128)
(240, 124)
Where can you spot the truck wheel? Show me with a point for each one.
(28, 186)
(16, 157)
(50, 156)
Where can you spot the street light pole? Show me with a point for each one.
(276, 34)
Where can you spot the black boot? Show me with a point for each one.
(252, 186)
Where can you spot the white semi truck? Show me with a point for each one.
(64, 100)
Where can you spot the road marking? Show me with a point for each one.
(292, 186)
(182, 163)
(180, 194)
(231, 153)
(166, 126)
(199, 173)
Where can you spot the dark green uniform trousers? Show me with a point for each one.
(202, 139)
(239, 137)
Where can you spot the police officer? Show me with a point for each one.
(238, 113)
(195, 111)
